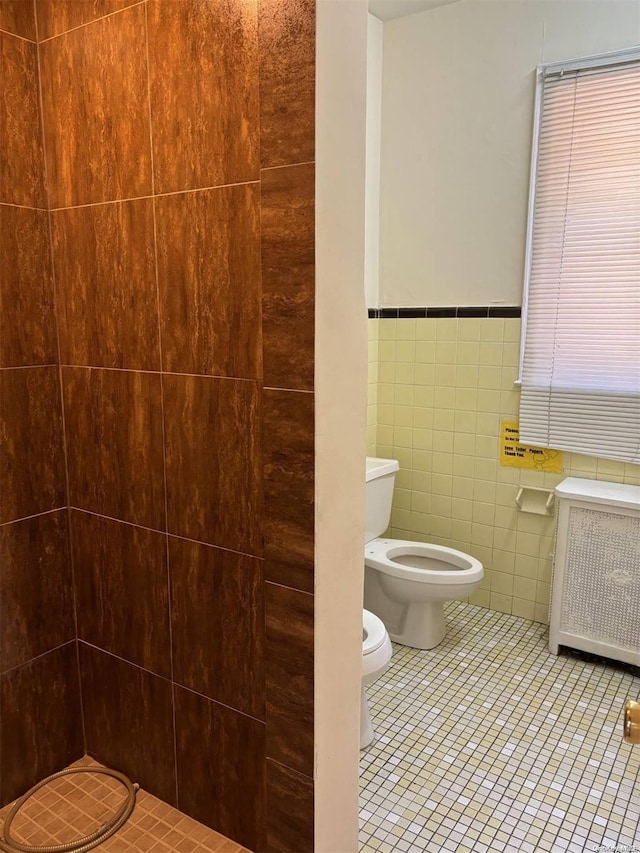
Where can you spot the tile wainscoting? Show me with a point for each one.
(439, 387)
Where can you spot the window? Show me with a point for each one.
(580, 363)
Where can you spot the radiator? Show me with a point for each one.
(595, 596)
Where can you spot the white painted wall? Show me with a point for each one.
(375, 30)
(458, 93)
(341, 404)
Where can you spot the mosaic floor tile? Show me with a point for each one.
(489, 743)
(77, 805)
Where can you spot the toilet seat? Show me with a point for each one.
(373, 632)
(376, 647)
(451, 567)
(376, 658)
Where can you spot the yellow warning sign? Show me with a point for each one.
(513, 454)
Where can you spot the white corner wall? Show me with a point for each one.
(341, 403)
(458, 94)
(375, 31)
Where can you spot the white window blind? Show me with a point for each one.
(580, 368)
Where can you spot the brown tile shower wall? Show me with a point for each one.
(40, 720)
(179, 142)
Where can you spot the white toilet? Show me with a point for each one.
(376, 657)
(406, 583)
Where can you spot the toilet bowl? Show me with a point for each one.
(406, 583)
(376, 658)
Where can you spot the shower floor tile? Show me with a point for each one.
(75, 806)
(489, 743)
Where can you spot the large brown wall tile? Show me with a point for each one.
(289, 464)
(114, 444)
(40, 724)
(209, 280)
(128, 721)
(58, 16)
(214, 461)
(288, 276)
(31, 448)
(217, 611)
(17, 16)
(203, 82)
(96, 114)
(36, 588)
(289, 810)
(105, 274)
(203, 59)
(289, 677)
(22, 162)
(27, 305)
(122, 590)
(286, 34)
(221, 768)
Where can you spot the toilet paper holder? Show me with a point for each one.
(537, 501)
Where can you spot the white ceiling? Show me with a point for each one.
(388, 9)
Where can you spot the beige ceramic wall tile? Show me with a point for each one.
(373, 388)
(437, 396)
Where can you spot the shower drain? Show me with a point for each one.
(88, 842)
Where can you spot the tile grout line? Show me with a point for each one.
(20, 38)
(153, 195)
(162, 413)
(24, 206)
(169, 533)
(39, 656)
(29, 366)
(93, 21)
(56, 319)
(287, 165)
(164, 678)
(35, 515)
(152, 372)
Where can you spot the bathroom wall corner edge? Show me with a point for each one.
(340, 429)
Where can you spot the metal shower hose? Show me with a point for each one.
(10, 845)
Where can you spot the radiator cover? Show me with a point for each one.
(595, 604)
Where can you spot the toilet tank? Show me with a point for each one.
(381, 475)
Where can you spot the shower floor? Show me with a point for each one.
(489, 743)
(75, 806)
